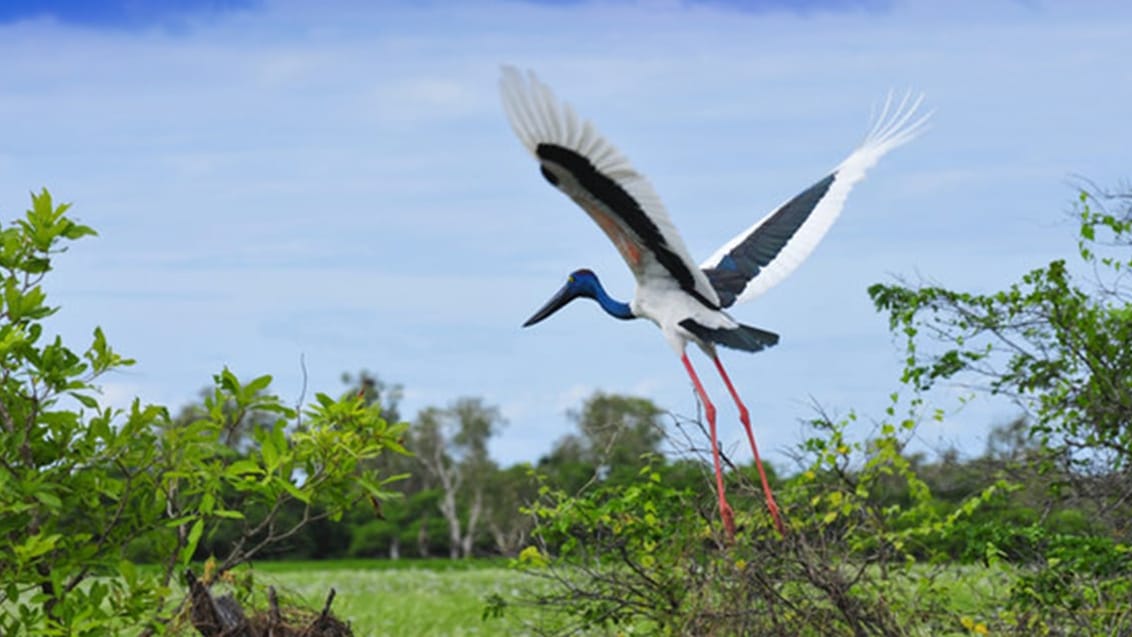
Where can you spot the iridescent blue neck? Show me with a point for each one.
(612, 307)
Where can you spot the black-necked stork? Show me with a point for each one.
(685, 301)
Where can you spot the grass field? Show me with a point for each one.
(447, 597)
(417, 597)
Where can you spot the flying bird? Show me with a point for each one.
(686, 302)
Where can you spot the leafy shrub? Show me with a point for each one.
(84, 487)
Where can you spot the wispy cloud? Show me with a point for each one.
(279, 178)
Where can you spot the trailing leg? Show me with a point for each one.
(709, 411)
(745, 418)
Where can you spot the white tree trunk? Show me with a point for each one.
(473, 521)
(449, 477)
(422, 538)
(448, 509)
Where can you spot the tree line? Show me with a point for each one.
(450, 498)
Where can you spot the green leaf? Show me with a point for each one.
(127, 570)
(86, 401)
(242, 468)
(75, 231)
(295, 492)
(270, 453)
(191, 541)
(49, 498)
(228, 381)
(37, 545)
(257, 385)
(279, 437)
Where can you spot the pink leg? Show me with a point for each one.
(745, 418)
(709, 411)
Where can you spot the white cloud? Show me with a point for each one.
(340, 181)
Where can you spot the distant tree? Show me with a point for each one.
(614, 435)
(1012, 442)
(567, 464)
(399, 527)
(451, 444)
(617, 430)
(508, 491)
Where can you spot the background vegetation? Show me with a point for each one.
(102, 509)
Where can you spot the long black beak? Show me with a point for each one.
(556, 302)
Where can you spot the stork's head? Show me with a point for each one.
(580, 283)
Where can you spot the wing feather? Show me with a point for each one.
(577, 160)
(767, 252)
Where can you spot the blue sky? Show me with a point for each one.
(273, 180)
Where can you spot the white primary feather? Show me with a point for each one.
(537, 117)
(896, 125)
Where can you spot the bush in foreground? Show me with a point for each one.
(82, 484)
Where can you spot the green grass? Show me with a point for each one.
(437, 564)
(447, 597)
(442, 597)
(380, 597)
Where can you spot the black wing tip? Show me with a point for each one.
(744, 337)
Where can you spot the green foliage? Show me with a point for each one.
(83, 485)
(76, 481)
(1057, 345)
(310, 465)
(1061, 346)
(614, 433)
(617, 553)
(870, 550)
(649, 555)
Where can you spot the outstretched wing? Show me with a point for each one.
(575, 158)
(764, 254)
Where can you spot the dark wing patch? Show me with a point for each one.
(624, 207)
(744, 337)
(745, 260)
